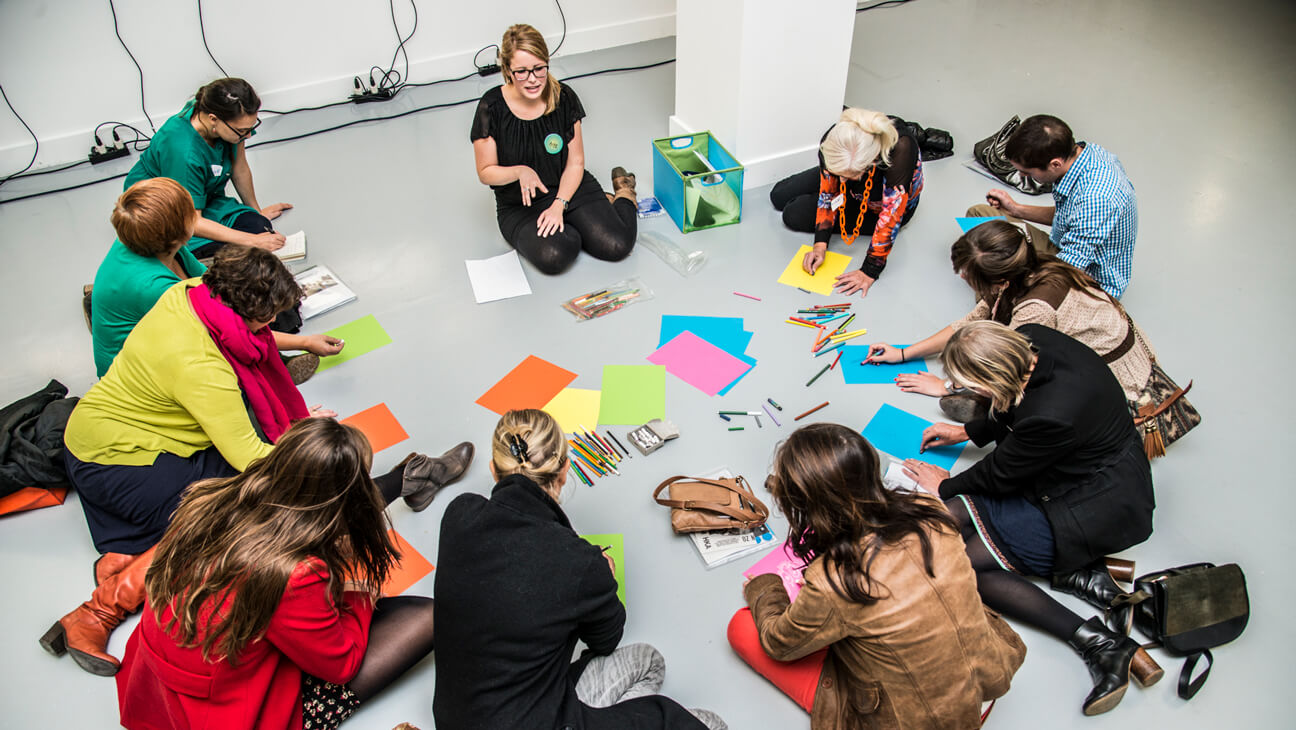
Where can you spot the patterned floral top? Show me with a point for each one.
(893, 197)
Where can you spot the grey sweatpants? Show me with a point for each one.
(631, 671)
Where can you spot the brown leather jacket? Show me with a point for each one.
(924, 656)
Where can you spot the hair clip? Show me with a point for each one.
(518, 447)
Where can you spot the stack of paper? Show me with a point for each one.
(708, 353)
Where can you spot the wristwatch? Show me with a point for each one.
(563, 201)
(949, 386)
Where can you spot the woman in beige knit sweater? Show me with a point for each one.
(1017, 285)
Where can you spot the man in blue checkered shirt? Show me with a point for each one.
(1095, 213)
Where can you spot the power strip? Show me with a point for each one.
(110, 153)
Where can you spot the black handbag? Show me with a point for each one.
(989, 153)
(1190, 609)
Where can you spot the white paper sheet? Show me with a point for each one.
(498, 277)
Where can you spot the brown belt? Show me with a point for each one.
(1123, 347)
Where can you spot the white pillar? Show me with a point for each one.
(767, 77)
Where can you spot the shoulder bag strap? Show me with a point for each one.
(1188, 686)
(752, 516)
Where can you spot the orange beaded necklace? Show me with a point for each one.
(859, 219)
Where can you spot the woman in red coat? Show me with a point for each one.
(261, 608)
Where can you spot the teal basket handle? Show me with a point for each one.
(714, 178)
(681, 143)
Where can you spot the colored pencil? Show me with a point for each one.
(733, 413)
(802, 323)
(843, 325)
(771, 402)
(848, 335)
(735, 428)
(747, 295)
(771, 415)
(589, 463)
(827, 350)
(812, 410)
(839, 354)
(606, 445)
(619, 444)
(579, 474)
(816, 377)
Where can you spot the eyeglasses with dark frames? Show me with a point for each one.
(521, 74)
(242, 133)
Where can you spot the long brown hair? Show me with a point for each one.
(998, 252)
(522, 37)
(233, 544)
(827, 482)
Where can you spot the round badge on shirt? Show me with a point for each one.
(553, 144)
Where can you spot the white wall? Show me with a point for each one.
(765, 81)
(64, 70)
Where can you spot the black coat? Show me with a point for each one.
(515, 589)
(1071, 448)
(31, 439)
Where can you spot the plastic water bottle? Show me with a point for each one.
(685, 264)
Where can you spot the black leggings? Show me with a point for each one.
(400, 634)
(1009, 593)
(605, 230)
(798, 197)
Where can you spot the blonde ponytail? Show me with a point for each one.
(859, 138)
(530, 443)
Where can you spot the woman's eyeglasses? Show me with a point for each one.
(242, 133)
(521, 74)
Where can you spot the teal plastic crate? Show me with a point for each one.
(697, 181)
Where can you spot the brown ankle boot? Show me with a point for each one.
(85, 631)
(425, 476)
(110, 564)
(623, 184)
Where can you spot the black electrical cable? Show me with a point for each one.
(400, 46)
(352, 123)
(881, 5)
(35, 139)
(117, 31)
(203, 29)
(478, 53)
(564, 33)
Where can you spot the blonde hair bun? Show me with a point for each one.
(860, 137)
(530, 443)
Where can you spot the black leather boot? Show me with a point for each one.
(424, 476)
(1095, 585)
(1111, 658)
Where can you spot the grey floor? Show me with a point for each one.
(1195, 98)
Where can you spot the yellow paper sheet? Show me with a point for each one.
(823, 280)
(573, 407)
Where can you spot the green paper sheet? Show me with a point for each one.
(617, 551)
(361, 337)
(632, 394)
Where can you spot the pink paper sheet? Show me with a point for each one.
(699, 363)
(781, 562)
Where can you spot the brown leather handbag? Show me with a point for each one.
(699, 505)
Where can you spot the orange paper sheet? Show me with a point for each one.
(532, 384)
(379, 426)
(29, 498)
(412, 568)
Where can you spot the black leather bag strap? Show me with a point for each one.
(1188, 686)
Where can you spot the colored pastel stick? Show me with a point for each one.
(733, 413)
(735, 428)
(771, 402)
(747, 295)
(816, 377)
(771, 415)
(812, 410)
(727, 418)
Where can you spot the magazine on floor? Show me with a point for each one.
(717, 547)
(322, 290)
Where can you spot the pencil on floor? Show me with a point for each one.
(812, 410)
(816, 377)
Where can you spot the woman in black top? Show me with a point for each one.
(867, 183)
(516, 588)
(527, 143)
(1066, 484)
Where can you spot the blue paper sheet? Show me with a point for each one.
(725, 333)
(968, 224)
(856, 374)
(899, 434)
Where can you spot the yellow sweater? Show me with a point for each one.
(169, 390)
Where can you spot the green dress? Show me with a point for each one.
(126, 287)
(177, 151)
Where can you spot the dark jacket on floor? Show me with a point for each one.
(515, 589)
(1071, 449)
(31, 439)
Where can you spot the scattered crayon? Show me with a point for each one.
(738, 293)
(735, 428)
(812, 410)
(771, 402)
(816, 377)
(770, 413)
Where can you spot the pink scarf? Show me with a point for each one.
(261, 373)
